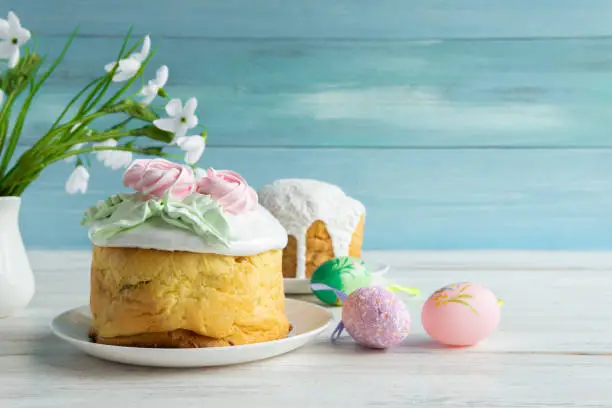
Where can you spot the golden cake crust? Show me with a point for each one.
(152, 298)
(319, 248)
(172, 339)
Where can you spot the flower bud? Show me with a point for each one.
(134, 109)
(154, 133)
(16, 79)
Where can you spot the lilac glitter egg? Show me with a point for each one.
(375, 317)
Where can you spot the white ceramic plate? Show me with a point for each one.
(302, 286)
(308, 321)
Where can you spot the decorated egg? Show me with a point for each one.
(375, 317)
(461, 314)
(344, 273)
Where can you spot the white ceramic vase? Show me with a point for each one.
(16, 277)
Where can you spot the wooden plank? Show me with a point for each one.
(423, 19)
(416, 199)
(535, 359)
(532, 260)
(548, 93)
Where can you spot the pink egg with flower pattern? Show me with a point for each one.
(375, 318)
(461, 314)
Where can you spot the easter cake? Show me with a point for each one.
(321, 220)
(190, 259)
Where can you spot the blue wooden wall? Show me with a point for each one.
(461, 124)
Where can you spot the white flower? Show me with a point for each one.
(115, 159)
(144, 52)
(149, 91)
(77, 182)
(118, 159)
(127, 69)
(193, 146)
(77, 146)
(180, 119)
(103, 155)
(129, 66)
(12, 36)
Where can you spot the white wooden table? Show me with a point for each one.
(553, 349)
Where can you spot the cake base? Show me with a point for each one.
(152, 298)
(172, 339)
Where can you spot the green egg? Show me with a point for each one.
(344, 273)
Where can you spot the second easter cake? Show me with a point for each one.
(321, 220)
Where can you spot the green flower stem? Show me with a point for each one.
(17, 187)
(5, 116)
(103, 86)
(73, 101)
(57, 142)
(100, 90)
(49, 137)
(32, 156)
(121, 124)
(97, 149)
(3, 131)
(65, 147)
(104, 83)
(90, 139)
(5, 112)
(47, 144)
(18, 126)
(83, 120)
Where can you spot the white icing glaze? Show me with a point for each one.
(251, 233)
(297, 203)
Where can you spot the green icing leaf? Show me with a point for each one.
(197, 213)
(103, 209)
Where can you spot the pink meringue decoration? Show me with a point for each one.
(229, 189)
(156, 177)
